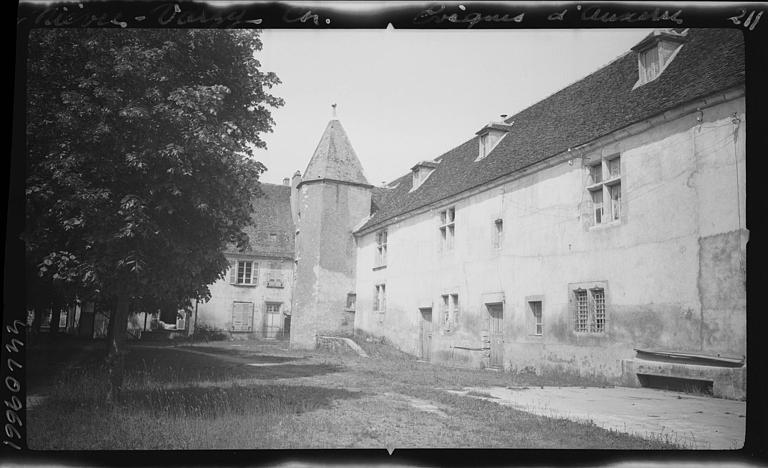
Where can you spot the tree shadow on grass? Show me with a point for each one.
(250, 355)
(213, 402)
(209, 402)
(179, 367)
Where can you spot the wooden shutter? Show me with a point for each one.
(233, 271)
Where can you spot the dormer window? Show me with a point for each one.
(490, 136)
(657, 51)
(421, 172)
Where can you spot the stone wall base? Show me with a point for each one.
(727, 382)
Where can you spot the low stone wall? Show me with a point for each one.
(727, 382)
(338, 344)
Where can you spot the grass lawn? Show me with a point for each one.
(262, 395)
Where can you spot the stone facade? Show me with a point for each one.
(671, 267)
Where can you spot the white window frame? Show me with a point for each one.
(245, 279)
(497, 241)
(537, 320)
(447, 229)
(605, 189)
(380, 300)
(381, 249)
(449, 314)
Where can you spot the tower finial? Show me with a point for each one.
(334, 110)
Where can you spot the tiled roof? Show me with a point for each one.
(710, 60)
(272, 215)
(334, 158)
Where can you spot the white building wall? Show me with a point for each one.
(673, 266)
(217, 313)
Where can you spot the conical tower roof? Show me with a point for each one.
(334, 158)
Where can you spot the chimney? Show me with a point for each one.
(286, 181)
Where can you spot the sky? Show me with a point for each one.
(405, 96)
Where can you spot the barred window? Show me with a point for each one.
(589, 309)
(582, 310)
(598, 322)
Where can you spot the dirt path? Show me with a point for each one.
(696, 422)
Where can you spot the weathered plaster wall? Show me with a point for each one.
(325, 269)
(673, 266)
(217, 312)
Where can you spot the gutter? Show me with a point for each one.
(630, 130)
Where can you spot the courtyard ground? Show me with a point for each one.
(250, 394)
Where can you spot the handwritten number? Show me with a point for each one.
(756, 20)
(748, 23)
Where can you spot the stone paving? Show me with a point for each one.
(696, 422)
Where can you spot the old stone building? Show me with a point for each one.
(254, 298)
(608, 217)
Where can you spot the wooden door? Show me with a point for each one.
(272, 317)
(426, 334)
(496, 328)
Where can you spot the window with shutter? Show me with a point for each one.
(242, 316)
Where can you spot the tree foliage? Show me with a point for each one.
(140, 166)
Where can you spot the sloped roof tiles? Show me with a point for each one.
(334, 158)
(272, 231)
(711, 60)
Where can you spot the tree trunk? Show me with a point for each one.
(55, 319)
(118, 325)
(37, 321)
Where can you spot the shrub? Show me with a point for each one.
(205, 332)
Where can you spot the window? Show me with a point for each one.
(421, 171)
(417, 179)
(615, 192)
(596, 173)
(381, 249)
(605, 189)
(242, 316)
(483, 146)
(275, 275)
(498, 233)
(450, 312)
(538, 326)
(272, 238)
(649, 65)
(380, 300)
(597, 206)
(447, 218)
(244, 272)
(351, 299)
(597, 324)
(590, 310)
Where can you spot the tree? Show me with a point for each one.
(140, 166)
